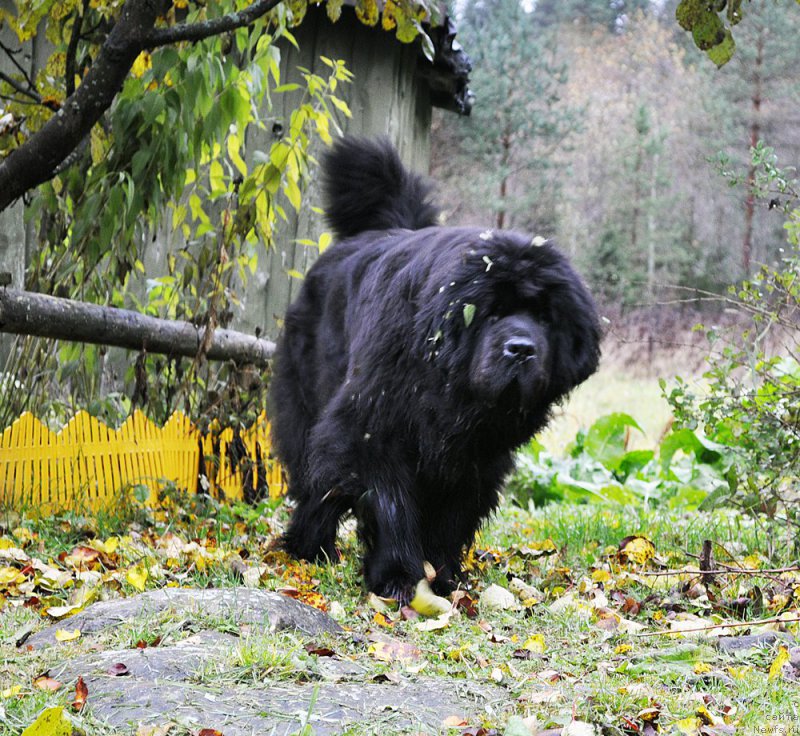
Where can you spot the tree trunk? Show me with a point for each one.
(28, 313)
(651, 230)
(505, 141)
(755, 134)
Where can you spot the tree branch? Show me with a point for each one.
(35, 161)
(22, 89)
(72, 49)
(29, 313)
(38, 159)
(194, 32)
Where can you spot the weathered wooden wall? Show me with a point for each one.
(386, 98)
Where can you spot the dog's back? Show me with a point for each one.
(366, 187)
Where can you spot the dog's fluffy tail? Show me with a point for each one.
(366, 187)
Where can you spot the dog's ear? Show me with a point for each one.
(574, 334)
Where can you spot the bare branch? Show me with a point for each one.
(194, 32)
(22, 89)
(12, 56)
(29, 313)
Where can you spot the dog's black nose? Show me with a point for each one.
(519, 348)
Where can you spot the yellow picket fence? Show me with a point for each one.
(87, 464)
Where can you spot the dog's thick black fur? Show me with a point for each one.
(415, 361)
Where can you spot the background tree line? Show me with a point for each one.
(599, 122)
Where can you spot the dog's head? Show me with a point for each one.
(511, 322)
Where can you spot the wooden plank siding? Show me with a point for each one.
(386, 97)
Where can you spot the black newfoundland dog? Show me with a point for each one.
(416, 359)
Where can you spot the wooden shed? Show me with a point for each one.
(393, 93)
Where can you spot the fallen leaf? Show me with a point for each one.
(118, 670)
(382, 605)
(51, 722)
(499, 599)
(154, 730)
(137, 576)
(142, 644)
(320, 651)
(434, 624)
(534, 643)
(426, 602)
(81, 695)
(406, 613)
(538, 549)
(45, 682)
(66, 635)
(455, 722)
(776, 668)
(578, 728)
(381, 619)
(209, 732)
(391, 650)
(636, 549)
(463, 602)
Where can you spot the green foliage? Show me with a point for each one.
(710, 25)
(599, 468)
(169, 157)
(752, 396)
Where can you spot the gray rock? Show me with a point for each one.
(281, 709)
(750, 641)
(162, 684)
(240, 605)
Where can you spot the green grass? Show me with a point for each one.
(610, 390)
(601, 675)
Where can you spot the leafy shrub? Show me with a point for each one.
(687, 471)
(752, 400)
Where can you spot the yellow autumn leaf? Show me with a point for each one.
(367, 11)
(388, 21)
(137, 576)
(142, 64)
(776, 668)
(235, 157)
(690, 726)
(426, 602)
(51, 722)
(702, 668)
(109, 546)
(637, 550)
(601, 576)
(23, 535)
(66, 635)
(9, 575)
(11, 692)
(534, 643)
(334, 9)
